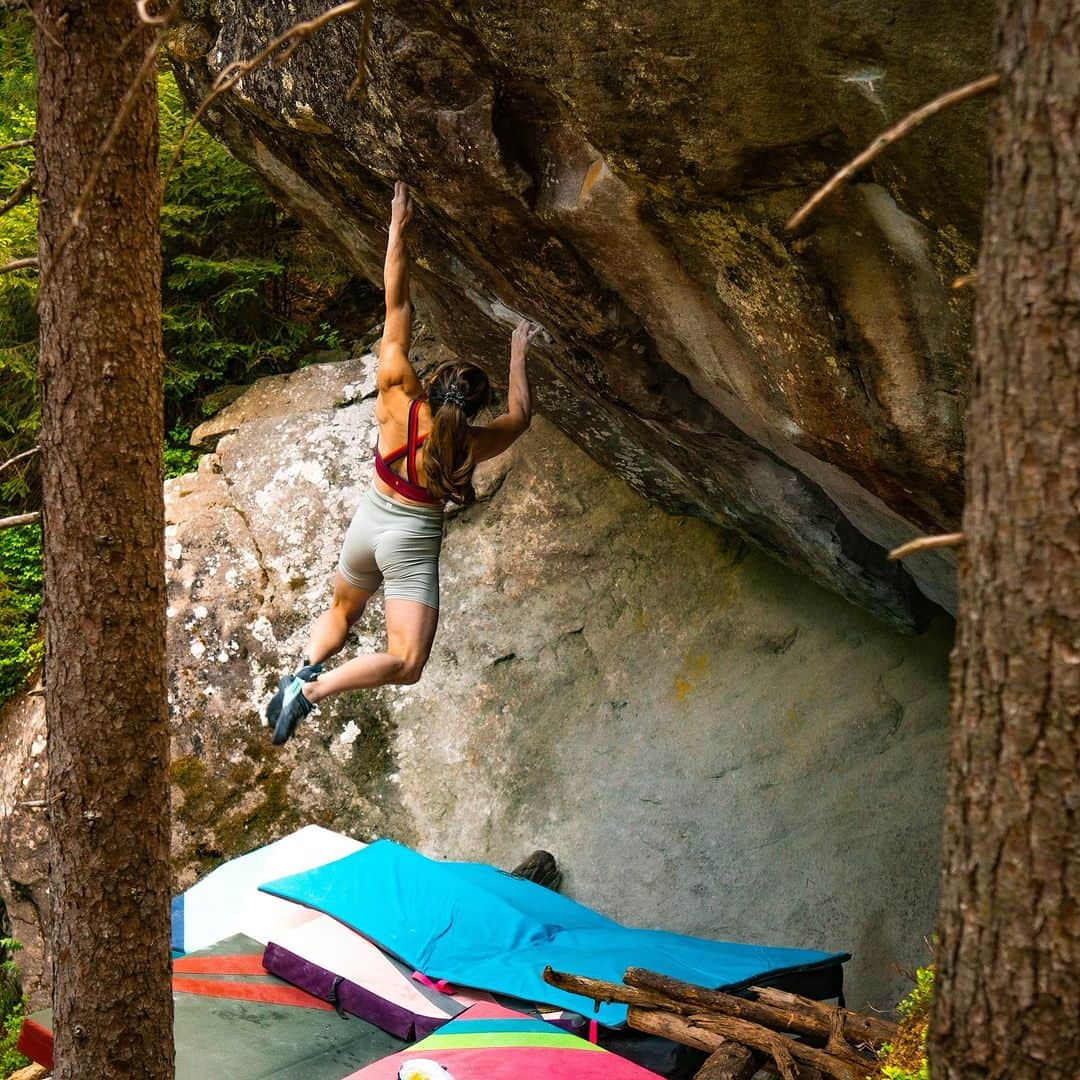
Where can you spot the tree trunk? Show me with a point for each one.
(102, 430)
(1008, 987)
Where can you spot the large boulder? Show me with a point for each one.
(707, 741)
(621, 171)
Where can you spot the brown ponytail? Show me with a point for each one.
(456, 393)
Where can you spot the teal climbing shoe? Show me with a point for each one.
(288, 687)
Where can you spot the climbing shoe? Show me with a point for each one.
(289, 689)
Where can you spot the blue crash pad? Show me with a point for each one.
(476, 926)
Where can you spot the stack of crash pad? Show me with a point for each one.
(410, 945)
(472, 925)
(314, 951)
(233, 1019)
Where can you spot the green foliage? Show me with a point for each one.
(239, 296)
(232, 271)
(227, 254)
(21, 647)
(179, 457)
(12, 1009)
(905, 1059)
(18, 239)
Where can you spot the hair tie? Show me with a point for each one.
(453, 396)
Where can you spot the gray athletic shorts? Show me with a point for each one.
(395, 545)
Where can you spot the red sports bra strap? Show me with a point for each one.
(411, 443)
(414, 443)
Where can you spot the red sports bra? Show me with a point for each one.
(409, 489)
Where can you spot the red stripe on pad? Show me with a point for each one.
(268, 993)
(242, 964)
(36, 1043)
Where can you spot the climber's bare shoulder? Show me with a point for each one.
(490, 440)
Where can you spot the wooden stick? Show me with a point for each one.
(964, 280)
(597, 990)
(20, 519)
(696, 1031)
(19, 264)
(926, 543)
(17, 143)
(911, 121)
(19, 457)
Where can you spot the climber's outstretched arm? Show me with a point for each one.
(494, 438)
(394, 366)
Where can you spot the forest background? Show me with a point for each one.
(246, 292)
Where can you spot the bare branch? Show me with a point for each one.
(359, 84)
(20, 519)
(19, 264)
(39, 23)
(141, 6)
(18, 195)
(18, 457)
(926, 543)
(16, 144)
(232, 73)
(964, 280)
(886, 138)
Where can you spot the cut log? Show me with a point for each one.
(676, 1028)
(696, 1031)
(732, 1061)
(859, 1029)
(811, 1020)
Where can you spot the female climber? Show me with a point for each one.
(424, 456)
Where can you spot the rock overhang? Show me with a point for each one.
(621, 174)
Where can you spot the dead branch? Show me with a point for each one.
(709, 1032)
(808, 1019)
(232, 73)
(359, 85)
(20, 519)
(926, 543)
(19, 457)
(859, 1029)
(17, 196)
(886, 138)
(141, 6)
(20, 264)
(16, 144)
(40, 23)
(964, 280)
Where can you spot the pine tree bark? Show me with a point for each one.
(1007, 1001)
(101, 441)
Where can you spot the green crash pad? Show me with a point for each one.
(255, 1040)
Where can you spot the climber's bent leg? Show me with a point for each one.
(410, 631)
(332, 627)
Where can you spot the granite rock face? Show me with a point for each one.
(707, 741)
(621, 172)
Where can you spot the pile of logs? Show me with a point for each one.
(762, 1028)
